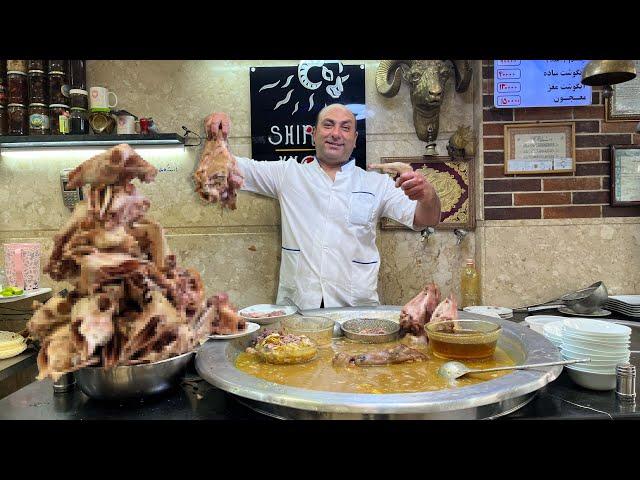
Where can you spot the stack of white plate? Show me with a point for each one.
(605, 343)
(626, 304)
(490, 310)
(553, 331)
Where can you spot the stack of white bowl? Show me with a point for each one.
(605, 343)
(553, 332)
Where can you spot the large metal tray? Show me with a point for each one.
(215, 363)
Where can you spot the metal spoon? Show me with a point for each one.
(453, 370)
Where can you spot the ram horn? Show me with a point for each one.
(463, 72)
(385, 70)
(303, 73)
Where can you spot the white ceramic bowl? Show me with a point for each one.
(588, 338)
(595, 327)
(594, 366)
(264, 309)
(590, 380)
(595, 354)
(596, 344)
(490, 310)
(597, 349)
(554, 329)
(595, 361)
(537, 322)
(611, 369)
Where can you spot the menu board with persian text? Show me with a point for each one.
(539, 83)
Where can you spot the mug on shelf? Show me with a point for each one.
(22, 265)
(99, 98)
(126, 125)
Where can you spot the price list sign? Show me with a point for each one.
(539, 83)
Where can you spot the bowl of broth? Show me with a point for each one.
(318, 329)
(463, 339)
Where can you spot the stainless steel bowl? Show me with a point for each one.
(587, 300)
(352, 328)
(132, 381)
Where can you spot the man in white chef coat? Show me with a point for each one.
(329, 209)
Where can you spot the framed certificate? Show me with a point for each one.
(624, 104)
(625, 175)
(453, 180)
(533, 148)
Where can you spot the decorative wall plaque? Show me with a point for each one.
(625, 175)
(454, 182)
(534, 148)
(624, 104)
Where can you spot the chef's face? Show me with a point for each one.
(335, 135)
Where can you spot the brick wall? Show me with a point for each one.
(584, 194)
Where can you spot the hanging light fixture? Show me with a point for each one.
(608, 72)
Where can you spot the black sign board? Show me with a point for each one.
(285, 102)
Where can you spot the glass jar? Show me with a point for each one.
(59, 118)
(78, 122)
(77, 74)
(17, 86)
(3, 83)
(79, 98)
(17, 66)
(470, 285)
(38, 87)
(57, 66)
(56, 88)
(3, 121)
(38, 119)
(37, 65)
(18, 121)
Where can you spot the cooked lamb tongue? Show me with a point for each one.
(398, 354)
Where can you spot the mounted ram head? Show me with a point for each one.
(427, 80)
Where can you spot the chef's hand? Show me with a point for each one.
(415, 186)
(214, 123)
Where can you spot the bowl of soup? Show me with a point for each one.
(463, 339)
(318, 329)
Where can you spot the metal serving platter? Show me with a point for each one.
(493, 398)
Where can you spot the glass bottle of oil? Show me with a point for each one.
(470, 285)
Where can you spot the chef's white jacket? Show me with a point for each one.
(328, 228)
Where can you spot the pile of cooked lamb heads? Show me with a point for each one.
(130, 303)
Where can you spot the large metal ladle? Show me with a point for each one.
(453, 370)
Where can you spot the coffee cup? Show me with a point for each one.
(126, 125)
(99, 99)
